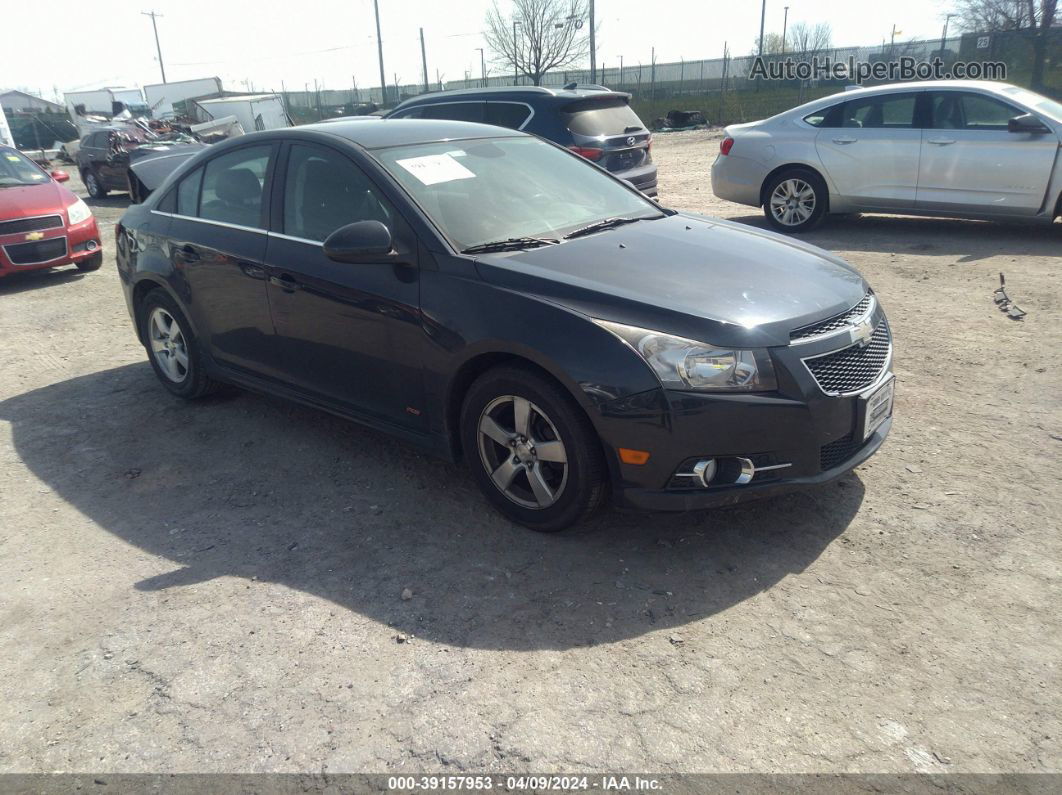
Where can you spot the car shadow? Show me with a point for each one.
(34, 280)
(955, 239)
(114, 201)
(247, 486)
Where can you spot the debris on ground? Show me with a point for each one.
(677, 120)
(407, 594)
(1004, 303)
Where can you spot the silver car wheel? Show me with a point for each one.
(168, 345)
(522, 452)
(792, 202)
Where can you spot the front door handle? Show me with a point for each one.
(188, 254)
(941, 141)
(285, 282)
(843, 141)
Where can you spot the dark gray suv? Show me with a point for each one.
(594, 122)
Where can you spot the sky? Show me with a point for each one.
(260, 46)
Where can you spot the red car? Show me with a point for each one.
(42, 224)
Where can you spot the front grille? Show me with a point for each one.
(855, 367)
(837, 452)
(835, 323)
(36, 253)
(21, 225)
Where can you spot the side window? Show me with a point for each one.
(956, 110)
(168, 203)
(826, 117)
(892, 111)
(457, 111)
(507, 114)
(324, 190)
(232, 187)
(412, 113)
(188, 194)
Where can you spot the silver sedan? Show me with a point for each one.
(965, 149)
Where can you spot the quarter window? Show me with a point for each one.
(324, 190)
(233, 185)
(957, 110)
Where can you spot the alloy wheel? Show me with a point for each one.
(522, 452)
(168, 345)
(792, 202)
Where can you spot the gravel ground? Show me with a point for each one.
(217, 587)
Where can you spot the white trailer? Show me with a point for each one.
(5, 131)
(253, 111)
(162, 96)
(102, 101)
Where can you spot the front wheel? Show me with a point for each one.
(795, 200)
(91, 263)
(532, 451)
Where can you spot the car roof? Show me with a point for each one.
(522, 93)
(375, 133)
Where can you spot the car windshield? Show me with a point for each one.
(487, 190)
(1043, 104)
(17, 169)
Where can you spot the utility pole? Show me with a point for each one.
(158, 47)
(892, 41)
(763, 18)
(593, 46)
(944, 35)
(379, 45)
(621, 71)
(424, 60)
(482, 67)
(652, 77)
(785, 24)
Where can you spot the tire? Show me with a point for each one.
(570, 480)
(92, 263)
(796, 194)
(174, 356)
(94, 185)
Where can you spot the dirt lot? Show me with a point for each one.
(217, 586)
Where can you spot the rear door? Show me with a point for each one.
(350, 334)
(971, 163)
(218, 244)
(870, 150)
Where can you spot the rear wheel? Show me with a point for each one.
(172, 347)
(94, 185)
(532, 451)
(795, 200)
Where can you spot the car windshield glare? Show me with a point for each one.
(486, 190)
(16, 169)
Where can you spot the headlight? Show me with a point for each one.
(78, 212)
(684, 364)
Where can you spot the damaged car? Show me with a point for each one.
(114, 158)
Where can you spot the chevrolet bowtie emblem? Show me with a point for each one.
(862, 333)
(34, 236)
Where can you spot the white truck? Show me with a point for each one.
(253, 111)
(161, 97)
(102, 102)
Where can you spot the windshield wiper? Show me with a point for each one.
(597, 226)
(510, 244)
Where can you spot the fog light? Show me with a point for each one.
(705, 471)
(92, 246)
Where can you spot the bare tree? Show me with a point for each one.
(807, 41)
(538, 35)
(1032, 18)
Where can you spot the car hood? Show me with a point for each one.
(701, 278)
(26, 201)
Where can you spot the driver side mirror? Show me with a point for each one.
(60, 176)
(361, 241)
(1026, 123)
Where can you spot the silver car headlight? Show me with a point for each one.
(685, 364)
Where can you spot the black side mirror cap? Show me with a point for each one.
(1026, 123)
(361, 241)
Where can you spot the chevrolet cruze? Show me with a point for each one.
(494, 298)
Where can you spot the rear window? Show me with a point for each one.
(598, 118)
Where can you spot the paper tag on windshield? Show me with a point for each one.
(432, 169)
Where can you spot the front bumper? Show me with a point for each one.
(796, 437)
(59, 246)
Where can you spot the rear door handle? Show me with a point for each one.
(941, 141)
(285, 282)
(844, 140)
(188, 254)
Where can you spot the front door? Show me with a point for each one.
(350, 334)
(871, 156)
(970, 163)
